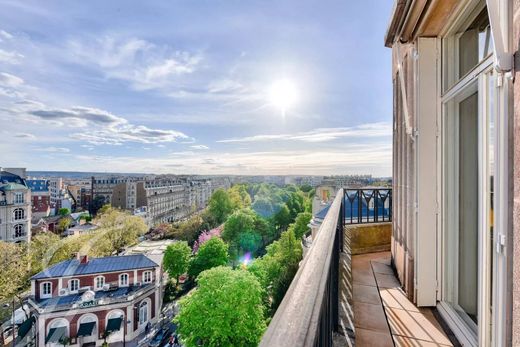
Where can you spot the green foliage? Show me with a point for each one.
(117, 230)
(63, 211)
(306, 188)
(176, 259)
(276, 269)
(300, 225)
(282, 218)
(220, 205)
(263, 206)
(225, 310)
(212, 253)
(239, 196)
(187, 230)
(14, 273)
(64, 224)
(39, 247)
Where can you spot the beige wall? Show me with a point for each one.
(516, 180)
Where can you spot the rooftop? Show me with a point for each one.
(73, 267)
(101, 296)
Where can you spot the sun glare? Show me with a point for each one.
(283, 94)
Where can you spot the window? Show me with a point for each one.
(46, 290)
(18, 198)
(19, 231)
(147, 277)
(143, 312)
(469, 44)
(19, 214)
(73, 285)
(123, 280)
(99, 282)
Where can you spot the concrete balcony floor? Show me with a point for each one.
(383, 315)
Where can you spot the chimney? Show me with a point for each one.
(83, 259)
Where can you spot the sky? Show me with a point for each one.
(190, 87)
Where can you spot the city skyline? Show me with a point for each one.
(188, 89)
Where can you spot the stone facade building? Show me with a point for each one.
(90, 300)
(456, 156)
(15, 207)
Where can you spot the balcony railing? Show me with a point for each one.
(368, 205)
(309, 313)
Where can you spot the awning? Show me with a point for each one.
(25, 327)
(114, 324)
(85, 329)
(55, 334)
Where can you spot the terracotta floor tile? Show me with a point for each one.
(381, 268)
(387, 281)
(415, 325)
(402, 341)
(369, 338)
(370, 317)
(365, 277)
(366, 294)
(396, 298)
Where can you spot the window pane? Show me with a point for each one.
(474, 43)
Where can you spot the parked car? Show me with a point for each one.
(159, 338)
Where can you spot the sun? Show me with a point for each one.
(283, 94)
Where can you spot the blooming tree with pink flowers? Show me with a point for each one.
(205, 236)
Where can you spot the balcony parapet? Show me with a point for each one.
(309, 312)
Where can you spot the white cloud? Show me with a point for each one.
(10, 57)
(199, 147)
(322, 134)
(5, 35)
(144, 64)
(8, 80)
(53, 149)
(24, 136)
(103, 126)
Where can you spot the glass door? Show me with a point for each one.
(469, 166)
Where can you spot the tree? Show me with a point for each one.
(14, 263)
(211, 254)
(118, 229)
(225, 310)
(176, 259)
(220, 205)
(282, 218)
(239, 222)
(64, 211)
(263, 207)
(39, 250)
(64, 224)
(276, 269)
(300, 225)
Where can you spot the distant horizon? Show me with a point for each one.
(179, 174)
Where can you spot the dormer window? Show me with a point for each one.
(46, 290)
(147, 277)
(123, 280)
(99, 282)
(73, 285)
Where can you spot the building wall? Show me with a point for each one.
(7, 222)
(516, 179)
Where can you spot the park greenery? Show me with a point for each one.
(225, 310)
(260, 227)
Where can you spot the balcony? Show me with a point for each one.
(345, 292)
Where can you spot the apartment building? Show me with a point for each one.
(86, 301)
(456, 156)
(40, 198)
(15, 206)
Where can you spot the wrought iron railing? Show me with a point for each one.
(368, 205)
(309, 312)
